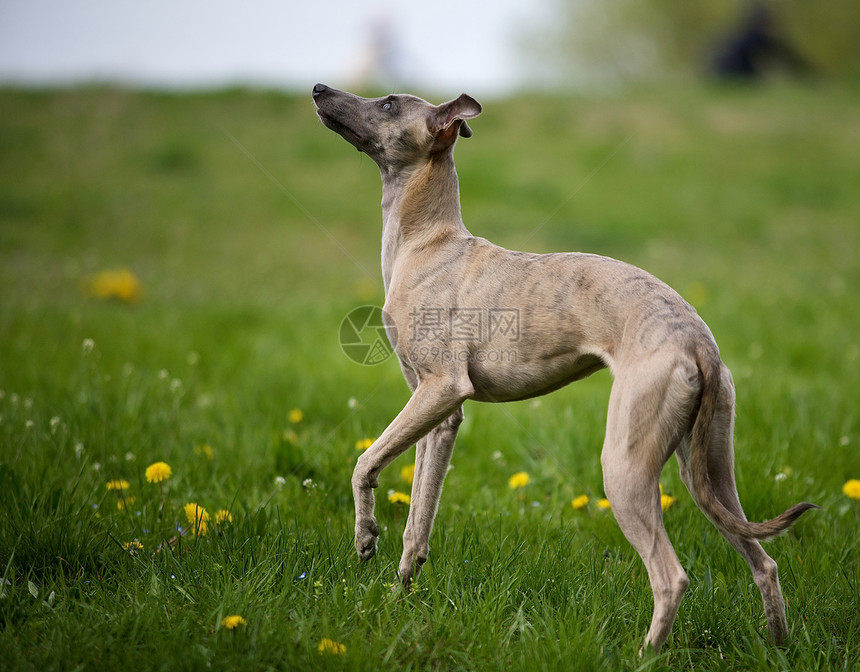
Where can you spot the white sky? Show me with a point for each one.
(444, 46)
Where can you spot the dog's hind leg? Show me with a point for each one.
(650, 407)
(432, 457)
(722, 475)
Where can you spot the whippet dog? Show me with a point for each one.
(471, 320)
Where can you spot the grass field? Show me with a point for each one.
(252, 231)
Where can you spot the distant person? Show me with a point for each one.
(755, 48)
(381, 63)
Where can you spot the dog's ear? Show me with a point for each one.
(445, 116)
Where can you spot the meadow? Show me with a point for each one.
(174, 270)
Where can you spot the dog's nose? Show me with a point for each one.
(319, 89)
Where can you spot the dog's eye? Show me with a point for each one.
(386, 106)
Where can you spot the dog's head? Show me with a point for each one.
(397, 130)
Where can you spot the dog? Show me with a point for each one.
(471, 320)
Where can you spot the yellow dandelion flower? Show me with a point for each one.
(118, 484)
(197, 517)
(118, 283)
(666, 501)
(408, 473)
(518, 480)
(398, 497)
(295, 416)
(580, 502)
(133, 547)
(125, 502)
(327, 645)
(603, 504)
(223, 516)
(158, 472)
(852, 488)
(364, 444)
(233, 622)
(205, 450)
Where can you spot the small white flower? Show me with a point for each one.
(28, 404)
(308, 483)
(163, 374)
(28, 424)
(175, 385)
(88, 346)
(497, 455)
(844, 441)
(781, 476)
(55, 423)
(129, 457)
(97, 466)
(79, 450)
(280, 481)
(352, 402)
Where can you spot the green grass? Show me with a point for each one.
(254, 231)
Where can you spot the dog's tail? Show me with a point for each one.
(708, 362)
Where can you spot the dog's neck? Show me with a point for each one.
(420, 209)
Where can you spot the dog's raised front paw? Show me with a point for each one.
(366, 534)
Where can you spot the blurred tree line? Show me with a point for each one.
(624, 40)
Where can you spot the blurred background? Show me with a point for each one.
(166, 155)
(498, 49)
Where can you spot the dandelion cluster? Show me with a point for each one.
(582, 501)
(121, 487)
(198, 518)
(407, 473)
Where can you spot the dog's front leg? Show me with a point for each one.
(434, 399)
(432, 457)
